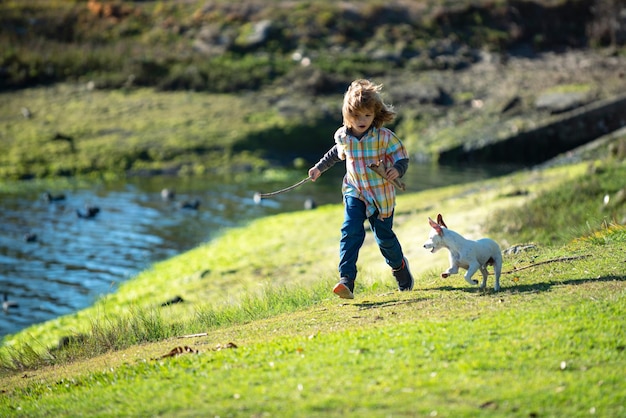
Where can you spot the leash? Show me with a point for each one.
(259, 196)
(379, 168)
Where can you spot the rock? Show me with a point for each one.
(26, 113)
(561, 102)
(516, 249)
(259, 34)
(422, 94)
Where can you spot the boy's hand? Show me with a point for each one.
(314, 173)
(392, 173)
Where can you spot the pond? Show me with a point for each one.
(53, 262)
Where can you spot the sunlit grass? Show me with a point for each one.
(548, 344)
(577, 208)
(272, 339)
(76, 131)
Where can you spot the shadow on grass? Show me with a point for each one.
(529, 288)
(384, 304)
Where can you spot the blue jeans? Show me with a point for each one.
(353, 235)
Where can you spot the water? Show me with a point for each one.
(74, 261)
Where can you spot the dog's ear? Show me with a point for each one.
(436, 226)
(440, 221)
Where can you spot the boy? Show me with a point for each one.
(362, 141)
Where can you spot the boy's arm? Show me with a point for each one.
(328, 160)
(401, 165)
(397, 152)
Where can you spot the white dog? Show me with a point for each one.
(464, 253)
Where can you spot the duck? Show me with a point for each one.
(8, 304)
(168, 194)
(49, 197)
(30, 237)
(90, 212)
(194, 204)
(310, 204)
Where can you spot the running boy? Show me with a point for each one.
(362, 141)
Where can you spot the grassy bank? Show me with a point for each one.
(73, 131)
(273, 340)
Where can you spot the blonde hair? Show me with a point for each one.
(365, 95)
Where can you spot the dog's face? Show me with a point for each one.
(434, 242)
(435, 238)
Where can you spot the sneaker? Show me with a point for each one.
(403, 276)
(344, 289)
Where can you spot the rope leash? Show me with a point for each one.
(379, 168)
(259, 196)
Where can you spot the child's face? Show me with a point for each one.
(361, 120)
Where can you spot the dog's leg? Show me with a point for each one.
(485, 273)
(470, 272)
(450, 271)
(454, 269)
(497, 268)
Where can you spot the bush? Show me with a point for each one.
(225, 74)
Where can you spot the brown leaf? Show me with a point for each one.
(489, 405)
(223, 347)
(177, 351)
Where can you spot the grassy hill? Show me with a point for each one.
(261, 334)
(117, 88)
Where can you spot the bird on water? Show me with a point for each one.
(8, 304)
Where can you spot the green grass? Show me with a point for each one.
(546, 346)
(120, 132)
(551, 343)
(574, 209)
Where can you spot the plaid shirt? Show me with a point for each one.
(361, 181)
